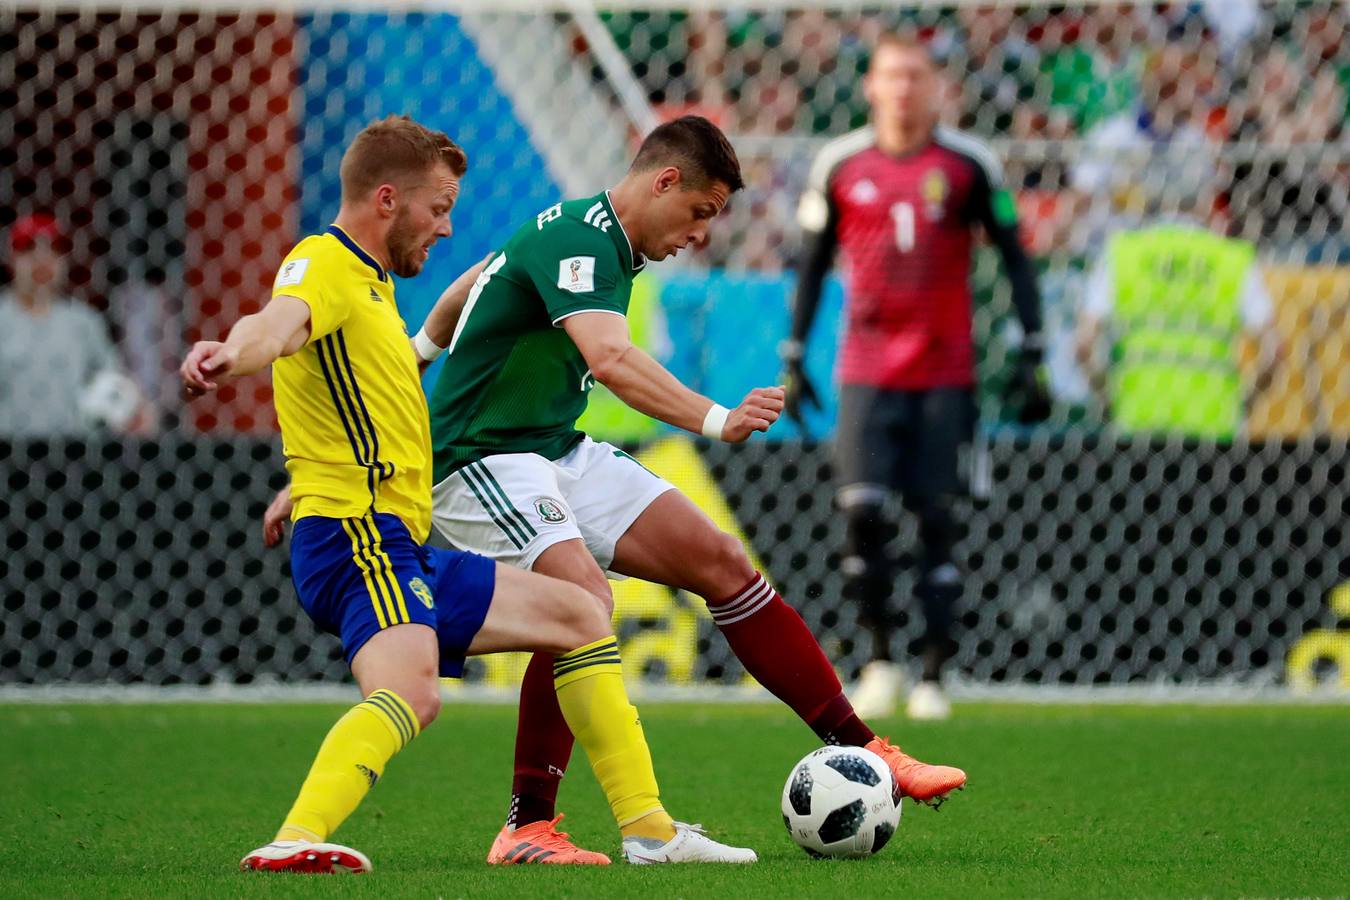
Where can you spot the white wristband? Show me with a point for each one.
(714, 422)
(426, 347)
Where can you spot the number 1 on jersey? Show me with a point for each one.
(902, 214)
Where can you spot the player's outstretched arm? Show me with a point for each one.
(441, 322)
(646, 385)
(255, 342)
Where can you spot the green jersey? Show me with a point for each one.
(513, 381)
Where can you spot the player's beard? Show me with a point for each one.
(405, 250)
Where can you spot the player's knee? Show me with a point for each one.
(582, 618)
(598, 587)
(425, 700)
(728, 562)
(575, 618)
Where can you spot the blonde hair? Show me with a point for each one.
(394, 150)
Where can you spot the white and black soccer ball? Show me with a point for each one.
(841, 802)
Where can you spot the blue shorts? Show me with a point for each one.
(356, 577)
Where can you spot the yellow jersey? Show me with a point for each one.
(354, 422)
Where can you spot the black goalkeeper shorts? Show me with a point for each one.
(903, 441)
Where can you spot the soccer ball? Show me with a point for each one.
(841, 802)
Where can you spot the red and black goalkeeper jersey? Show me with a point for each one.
(905, 226)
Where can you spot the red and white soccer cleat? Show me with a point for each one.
(918, 780)
(305, 858)
(540, 842)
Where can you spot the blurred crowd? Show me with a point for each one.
(1094, 101)
(1106, 115)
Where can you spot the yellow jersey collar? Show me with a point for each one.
(360, 254)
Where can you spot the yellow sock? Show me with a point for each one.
(350, 760)
(589, 681)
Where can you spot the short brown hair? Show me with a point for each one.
(695, 146)
(393, 149)
(901, 41)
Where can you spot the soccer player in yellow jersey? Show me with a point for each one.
(355, 430)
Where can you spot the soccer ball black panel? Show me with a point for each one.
(843, 822)
(800, 792)
(881, 834)
(854, 768)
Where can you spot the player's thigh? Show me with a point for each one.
(504, 507)
(608, 490)
(674, 543)
(868, 445)
(936, 463)
(356, 577)
(362, 579)
(530, 611)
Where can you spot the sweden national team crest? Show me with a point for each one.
(935, 189)
(550, 510)
(422, 592)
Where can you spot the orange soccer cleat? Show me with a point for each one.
(540, 842)
(918, 780)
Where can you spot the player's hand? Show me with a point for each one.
(205, 362)
(1031, 389)
(275, 519)
(760, 409)
(800, 392)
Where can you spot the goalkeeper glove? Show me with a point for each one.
(800, 391)
(1029, 390)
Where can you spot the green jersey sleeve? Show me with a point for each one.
(575, 269)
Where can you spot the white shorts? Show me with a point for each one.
(513, 506)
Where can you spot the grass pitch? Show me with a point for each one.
(157, 800)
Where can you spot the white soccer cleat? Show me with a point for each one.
(928, 703)
(305, 857)
(690, 844)
(878, 691)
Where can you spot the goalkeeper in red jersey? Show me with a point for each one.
(901, 198)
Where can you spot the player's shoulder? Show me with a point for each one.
(315, 246)
(575, 226)
(973, 149)
(837, 151)
(320, 258)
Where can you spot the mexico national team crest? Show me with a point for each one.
(422, 592)
(550, 510)
(935, 189)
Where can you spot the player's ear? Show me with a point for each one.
(666, 180)
(386, 199)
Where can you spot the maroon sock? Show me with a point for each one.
(543, 746)
(779, 651)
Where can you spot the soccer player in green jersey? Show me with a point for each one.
(516, 481)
